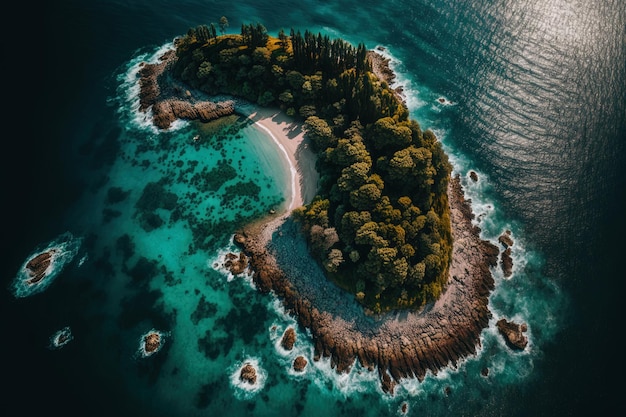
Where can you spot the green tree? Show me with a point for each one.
(348, 152)
(390, 135)
(319, 132)
(365, 197)
(202, 33)
(354, 176)
(204, 70)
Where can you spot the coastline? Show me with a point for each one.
(298, 158)
(397, 345)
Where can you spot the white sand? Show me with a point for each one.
(298, 156)
(299, 160)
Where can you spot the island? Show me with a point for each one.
(39, 266)
(151, 342)
(387, 223)
(61, 338)
(43, 266)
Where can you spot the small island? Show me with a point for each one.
(61, 338)
(388, 223)
(43, 266)
(39, 266)
(151, 342)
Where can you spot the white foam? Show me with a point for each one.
(243, 389)
(141, 350)
(63, 250)
(409, 91)
(129, 90)
(61, 338)
(217, 263)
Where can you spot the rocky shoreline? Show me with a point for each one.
(398, 348)
(397, 345)
(169, 100)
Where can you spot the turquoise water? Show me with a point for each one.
(533, 104)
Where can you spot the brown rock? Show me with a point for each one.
(152, 341)
(505, 239)
(289, 338)
(506, 262)
(239, 239)
(248, 374)
(236, 264)
(473, 175)
(37, 266)
(387, 384)
(513, 334)
(169, 101)
(299, 364)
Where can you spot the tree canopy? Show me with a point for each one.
(380, 224)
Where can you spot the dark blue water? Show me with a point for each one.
(538, 109)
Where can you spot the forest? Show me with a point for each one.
(380, 223)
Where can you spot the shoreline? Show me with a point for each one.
(399, 345)
(402, 345)
(298, 156)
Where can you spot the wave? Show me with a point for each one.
(244, 389)
(127, 98)
(44, 265)
(61, 338)
(217, 263)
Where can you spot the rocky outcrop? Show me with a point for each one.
(430, 340)
(382, 70)
(289, 339)
(513, 333)
(152, 342)
(248, 374)
(165, 112)
(506, 261)
(505, 239)
(299, 364)
(38, 266)
(236, 264)
(170, 101)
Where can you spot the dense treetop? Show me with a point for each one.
(380, 224)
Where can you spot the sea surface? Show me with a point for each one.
(529, 94)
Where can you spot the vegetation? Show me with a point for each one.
(380, 223)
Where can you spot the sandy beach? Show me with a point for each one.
(298, 156)
(299, 160)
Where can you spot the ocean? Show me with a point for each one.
(528, 94)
